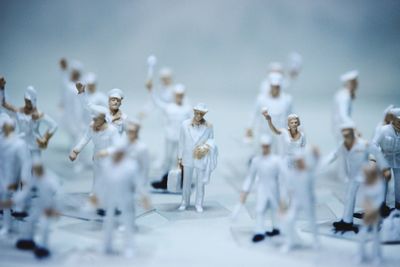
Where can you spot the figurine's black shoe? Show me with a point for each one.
(358, 215)
(117, 212)
(19, 214)
(397, 206)
(274, 232)
(25, 244)
(162, 184)
(41, 252)
(345, 227)
(384, 210)
(101, 212)
(257, 238)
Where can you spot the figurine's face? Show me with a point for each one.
(91, 87)
(7, 129)
(118, 156)
(38, 170)
(266, 149)
(396, 122)
(199, 115)
(348, 135)
(352, 85)
(293, 73)
(166, 80)
(300, 164)
(133, 133)
(75, 75)
(179, 99)
(275, 90)
(293, 123)
(114, 103)
(28, 104)
(99, 120)
(388, 118)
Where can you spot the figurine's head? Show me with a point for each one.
(75, 75)
(30, 98)
(38, 169)
(300, 164)
(132, 130)
(348, 135)
(115, 97)
(350, 80)
(76, 69)
(295, 62)
(265, 142)
(371, 172)
(99, 120)
(293, 121)
(200, 110)
(396, 118)
(91, 82)
(179, 92)
(166, 76)
(275, 80)
(8, 126)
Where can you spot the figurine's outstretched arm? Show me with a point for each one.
(81, 144)
(270, 124)
(4, 103)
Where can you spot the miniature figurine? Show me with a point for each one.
(30, 120)
(121, 181)
(103, 135)
(94, 96)
(15, 168)
(293, 138)
(175, 113)
(300, 185)
(387, 119)
(275, 68)
(354, 152)
(343, 101)
(114, 114)
(294, 65)
(387, 140)
(266, 168)
(371, 195)
(279, 106)
(197, 155)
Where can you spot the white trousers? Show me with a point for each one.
(170, 156)
(350, 200)
(376, 245)
(265, 202)
(188, 174)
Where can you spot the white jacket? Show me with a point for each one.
(388, 141)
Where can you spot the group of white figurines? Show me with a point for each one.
(282, 169)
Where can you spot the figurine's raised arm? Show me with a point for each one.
(4, 103)
(270, 124)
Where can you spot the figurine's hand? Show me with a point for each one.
(249, 133)
(51, 213)
(12, 187)
(102, 154)
(42, 142)
(73, 155)
(149, 84)
(201, 151)
(387, 174)
(2, 83)
(93, 200)
(243, 197)
(6, 204)
(63, 64)
(266, 115)
(80, 87)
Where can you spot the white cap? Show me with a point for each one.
(132, 122)
(96, 110)
(165, 72)
(90, 78)
(388, 110)
(179, 89)
(76, 65)
(348, 124)
(275, 67)
(275, 79)
(201, 107)
(31, 94)
(295, 61)
(395, 112)
(152, 60)
(350, 75)
(265, 140)
(117, 93)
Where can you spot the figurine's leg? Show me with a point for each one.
(363, 234)
(27, 230)
(200, 189)
(108, 228)
(187, 183)
(7, 219)
(376, 244)
(167, 156)
(261, 206)
(41, 249)
(127, 218)
(312, 220)
(396, 174)
(350, 201)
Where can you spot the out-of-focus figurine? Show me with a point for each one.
(94, 96)
(279, 106)
(175, 114)
(103, 135)
(30, 120)
(300, 185)
(197, 154)
(121, 181)
(371, 195)
(343, 102)
(387, 119)
(72, 112)
(274, 67)
(114, 114)
(354, 152)
(15, 167)
(293, 138)
(266, 168)
(294, 65)
(43, 211)
(387, 140)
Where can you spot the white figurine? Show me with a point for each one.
(275, 68)
(300, 186)
(16, 166)
(94, 96)
(371, 195)
(44, 209)
(293, 139)
(30, 120)
(279, 106)
(103, 135)
(343, 101)
(387, 119)
(388, 141)
(354, 152)
(114, 114)
(266, 168)
(121, 181)
(197, 154)
(294, 65)
(175, 114)
(72, 112)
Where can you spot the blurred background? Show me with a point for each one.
(219, 49)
